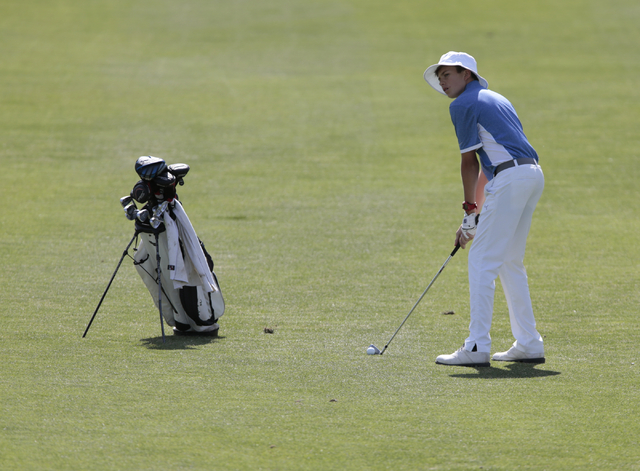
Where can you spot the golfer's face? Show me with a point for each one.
(452, 82)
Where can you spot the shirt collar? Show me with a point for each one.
(472, 86)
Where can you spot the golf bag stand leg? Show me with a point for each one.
(159, 273)
(124, 254)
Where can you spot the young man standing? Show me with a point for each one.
(488, 127)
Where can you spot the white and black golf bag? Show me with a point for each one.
(189, 292)
(184, 287)
(192, 302)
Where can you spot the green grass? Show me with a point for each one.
(324, 182)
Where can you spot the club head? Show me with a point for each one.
(160, 209)
(373, 350)
(130, 211)
(125, 200)
(142, 215)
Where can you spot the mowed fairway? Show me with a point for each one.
(325, 184)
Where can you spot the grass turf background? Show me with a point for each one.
(325, 185)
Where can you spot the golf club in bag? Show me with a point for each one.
(170, 258)
(372, 349)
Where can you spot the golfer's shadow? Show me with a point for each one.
(513, 370)
(179, 342)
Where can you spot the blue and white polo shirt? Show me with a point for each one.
(486, 122)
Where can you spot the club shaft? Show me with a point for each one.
(422, 296)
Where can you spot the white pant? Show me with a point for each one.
(498, 250)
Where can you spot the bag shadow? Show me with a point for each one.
(179, 342)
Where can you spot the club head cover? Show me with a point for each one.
(179, 170)
(164, 180)
(149, 167)
(141, 192)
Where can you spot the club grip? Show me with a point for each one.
(455, 250)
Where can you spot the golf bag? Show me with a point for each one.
(191, 300)
(187, 306)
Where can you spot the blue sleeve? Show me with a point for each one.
(465, 121)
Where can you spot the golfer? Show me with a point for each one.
(489, 130)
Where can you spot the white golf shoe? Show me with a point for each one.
(514, 354)
(464, 357)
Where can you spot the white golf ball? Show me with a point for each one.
(371, 351)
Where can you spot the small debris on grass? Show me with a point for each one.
(333, 400)
(269, 330)
(448, 313)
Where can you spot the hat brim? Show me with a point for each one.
(432, 79)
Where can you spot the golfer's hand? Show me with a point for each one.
(467, 230)
(461, 240)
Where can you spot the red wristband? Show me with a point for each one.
(468, 207)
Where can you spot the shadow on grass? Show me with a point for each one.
(513, 370)
(179, 342)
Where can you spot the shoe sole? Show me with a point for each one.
(472, 365)
(526, 360)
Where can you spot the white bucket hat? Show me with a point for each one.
(453, 58)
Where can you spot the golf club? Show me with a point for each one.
(158, 211)
(373, 350)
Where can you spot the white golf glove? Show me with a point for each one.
(469, 225)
